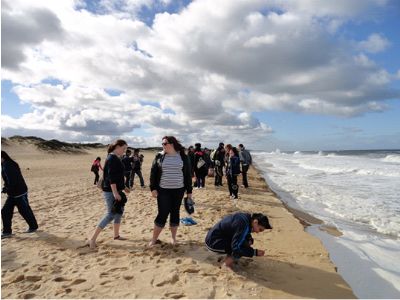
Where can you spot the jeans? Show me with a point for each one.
(109, 216)
(24, 209)
(139, 173)
(169, 203)
(200, 178)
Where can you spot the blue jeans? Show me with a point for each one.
(109, 216)
(24, 209)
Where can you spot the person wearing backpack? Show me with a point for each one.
(232, 172)
(96, 166)
(200, 166)
(170, 177)
(246, 161)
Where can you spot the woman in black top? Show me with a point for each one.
(113, 187)
(17, 195)
(170, 177)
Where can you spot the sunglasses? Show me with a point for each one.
(164, 144)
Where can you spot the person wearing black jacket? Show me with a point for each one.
(170, 177)
(219, 163)
(127, 161)
(137, 167)
(200, 166)
(17, 195)
(113, 191)
(232, 236)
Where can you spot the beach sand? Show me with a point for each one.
(55, 263)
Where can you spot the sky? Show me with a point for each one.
(278, 74)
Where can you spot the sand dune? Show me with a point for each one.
(55, 263)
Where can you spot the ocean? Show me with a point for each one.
(358, 192)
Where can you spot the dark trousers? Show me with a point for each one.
(23, 208)
(200, 178)
(245, 169)
(218, 175)
(139, 173)
(169, 203)
(218, 244)
(128, 181)
(97, 176)
(233, 186)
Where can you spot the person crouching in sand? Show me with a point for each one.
(232, 236)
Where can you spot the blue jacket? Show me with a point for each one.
(235, 230)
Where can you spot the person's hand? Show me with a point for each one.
(117, 197)
(228, 262)
(127, 190)
(260, 252)
(154, 193)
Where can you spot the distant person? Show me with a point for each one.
(246, 161)
(137, 167)
(190, 154)
(96, 166)
(232, 236)
(232, 172)
(170, 177)
(17, 195)
(218, 158)
(200, 166)
(127, 161)
(113, 191)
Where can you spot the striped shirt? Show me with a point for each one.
(172, 174)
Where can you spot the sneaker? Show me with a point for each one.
(6, 235)
(31, 230)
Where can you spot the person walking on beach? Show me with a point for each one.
(170, 177)
(232, 172)
(200, 166)
(96, 166)
(219, 162)
(127, 161)
(190, 154)
(137, 167)
(17, 195)
(113, 191)
(232, 236)
(246, 161)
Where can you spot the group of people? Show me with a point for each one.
(170, 178)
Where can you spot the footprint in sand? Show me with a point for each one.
(78, 281)
(29, 296)
(33, 278)
(127, 277)
(172, 280)
(174, 295)
(61, 279)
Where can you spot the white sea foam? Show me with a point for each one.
(359, 194)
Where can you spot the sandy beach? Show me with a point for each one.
(55, 263)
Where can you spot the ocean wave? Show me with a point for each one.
(392, 158)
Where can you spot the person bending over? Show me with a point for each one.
(232, 236)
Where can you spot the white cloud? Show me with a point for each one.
(206, 69)
(374, 44)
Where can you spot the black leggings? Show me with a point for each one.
(233, 186)
(97, 176)
(169, 203)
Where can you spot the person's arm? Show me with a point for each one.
(10, 177)
(187, 174)
(153, 177)
(115, 192)
(239, 247)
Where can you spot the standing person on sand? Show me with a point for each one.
(17, 195)
(113, 187)
(246, 161)
(232, 236)
(200, 166)
(219, 162)
(170, 177)
(137, 167)
(127, 161)
(232, 172)
(96, 166)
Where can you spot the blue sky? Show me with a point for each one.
(293, 75)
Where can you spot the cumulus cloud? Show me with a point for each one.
(374, 44)
(200, 73)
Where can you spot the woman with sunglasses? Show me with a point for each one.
(170, 177)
